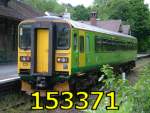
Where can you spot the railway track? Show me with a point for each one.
(7, 87)
(142, 56)
(12, 106)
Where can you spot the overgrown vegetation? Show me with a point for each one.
(131, 99)
(141, 103)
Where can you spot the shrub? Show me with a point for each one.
(132, 99)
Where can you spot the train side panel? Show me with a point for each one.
(94, 59)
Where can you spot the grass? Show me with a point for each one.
(8, 103)
(142, 92)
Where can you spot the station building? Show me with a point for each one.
(12, 12)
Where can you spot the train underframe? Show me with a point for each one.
(64, 82)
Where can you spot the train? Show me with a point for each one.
(61, 55)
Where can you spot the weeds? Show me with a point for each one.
(142, 92)
(131, 99)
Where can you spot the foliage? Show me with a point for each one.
(100, 6)
(122, 89)
(120, 9)
(78, 13)
(142, 92)
(140, 23)
(132, 99)
(69, 8)
(46, 5)
(81, 13)
(115, 82)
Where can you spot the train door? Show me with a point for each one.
(81, 48)
(75, 55)
(42, 50)
(87, 49)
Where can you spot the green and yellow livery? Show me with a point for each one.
(57, 54)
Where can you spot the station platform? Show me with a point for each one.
(8, 72)
(139, 56)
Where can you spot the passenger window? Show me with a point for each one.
(98, 44)
(81, 44)
(75, 42)
(88, 44)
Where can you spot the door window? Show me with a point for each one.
(75, 42)
(81, 44)
(88, 44)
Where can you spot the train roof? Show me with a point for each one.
(80, 25)
(83, 26)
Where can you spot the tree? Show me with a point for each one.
(140, 23)
(69, 8)
(101, 7)
(81, 13)
(120, 9)
(77, 13)
(46, 5)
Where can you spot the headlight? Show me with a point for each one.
(25, 59)
(62, 60)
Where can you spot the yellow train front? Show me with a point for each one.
(40, 58)
(56, 54)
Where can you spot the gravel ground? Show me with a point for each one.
(21, 103)
(133, 75)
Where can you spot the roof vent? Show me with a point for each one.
(66, 14)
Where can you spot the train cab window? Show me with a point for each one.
(75, 42)
(25, 37)
(81, 44)
(63, 36)
(87, 44)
